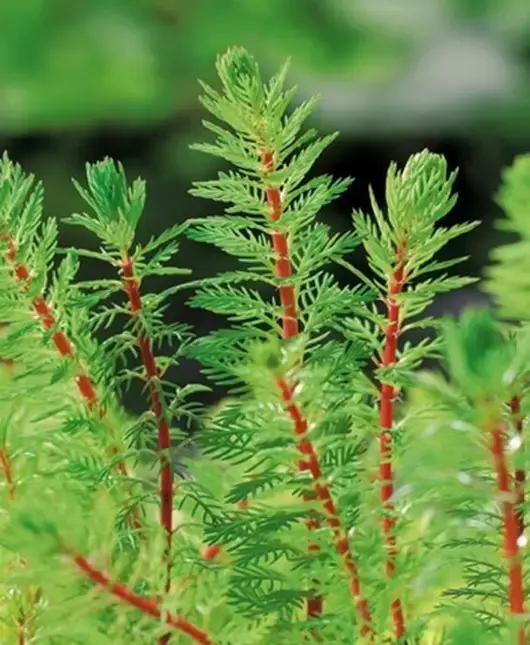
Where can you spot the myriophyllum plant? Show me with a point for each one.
(340, 494)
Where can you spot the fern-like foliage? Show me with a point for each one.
(510, 265)
(330, 502)
(271, 226)
(468, 505)
(403, 241)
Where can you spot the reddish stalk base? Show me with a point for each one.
(65, 349)
(131, 287)
(290, 328)
(5, 465)
(520, 474)
(21, 638)
(150, 607)
(386, 421)
(509, 516)
(321, 492)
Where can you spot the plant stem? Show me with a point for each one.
(66, 350)
(150, 607)
(21, 639)
(388, 394)
(322, 492)
(280, 245)
(290, 324)
(5, 464)
(520, 474)
(511, 546)
(131, 287)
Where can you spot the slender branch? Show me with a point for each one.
(5, 465)
(22, 621)
(290, 324)
(387, 398)
(520, 473)
(509, 516)
(131, 286)
(321, 491)
(149, 607)
(21, 635)
(280, 245)
(66, 350)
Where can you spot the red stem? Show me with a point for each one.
(131, 287)
(520, 474)
(5, 464)
(21, 639)
(321, 491)
(388, 395)
(83, 382)
(65, 349)
(509, 513)
(290, 325)
(283, 265)
(150, 607)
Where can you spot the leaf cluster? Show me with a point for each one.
(285, 491)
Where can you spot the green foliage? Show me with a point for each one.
(512, 260)
(455, 502)
(257, 125)
(479, 356)
(406, 240)
(283, 507)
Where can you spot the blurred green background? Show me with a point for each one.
(87, 78)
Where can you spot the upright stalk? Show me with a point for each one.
(83, 382)
(320, 490)
(284, 271)
(520, 473)
(66, 350)
(21, 637)
(5, 465)
(387, 397)
(509, 517)
(290, 324)
(131, 287)
(22, 621)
